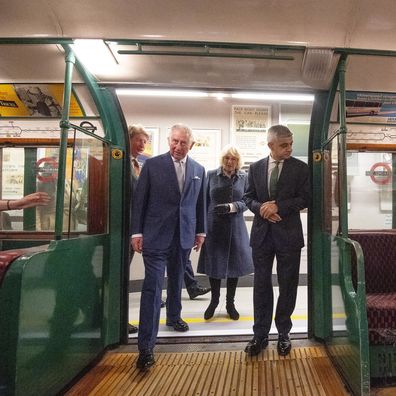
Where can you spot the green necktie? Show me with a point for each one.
(274, 181)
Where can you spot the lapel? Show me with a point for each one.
(265, 178)
(284, 175)
(188, 175)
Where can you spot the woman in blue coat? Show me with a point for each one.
(226, 253)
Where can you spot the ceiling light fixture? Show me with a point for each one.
(95, 55)
(162, 93)
(274, 96)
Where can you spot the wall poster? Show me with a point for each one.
(36, 100)
(371, 107)
(151, 148)
(249, 127)
(206, 149)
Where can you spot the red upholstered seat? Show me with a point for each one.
(381, 317)
(379, 249)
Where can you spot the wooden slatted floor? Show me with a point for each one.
(306, 371)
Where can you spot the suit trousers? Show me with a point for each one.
(174, 259)
(288, 268)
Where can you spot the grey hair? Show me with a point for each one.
(278, 132)
(185, 128)
(137, 129)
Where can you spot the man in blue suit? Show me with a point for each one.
(278, 189)
(138, 139)
(168, 220)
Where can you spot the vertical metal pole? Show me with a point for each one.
(64, 125)
(342, 166)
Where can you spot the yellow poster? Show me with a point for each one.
(35, 100)
(10, 104)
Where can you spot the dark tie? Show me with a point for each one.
(274, 181)
(136, 166)
(180, 174)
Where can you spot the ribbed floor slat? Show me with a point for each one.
(307, 371)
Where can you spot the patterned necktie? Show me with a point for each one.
(274, 181)
(136, 166)
(180, 174)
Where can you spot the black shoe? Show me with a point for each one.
(132, 329)
(256, 345)
(284, 344)
(232, 312)
(145, 359)
(163, 303)
(210, 310)
(178, 325)
(197, 291)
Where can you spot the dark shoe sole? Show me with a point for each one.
(251, 351)
(145, 365)
(180, 329)
(132, 329)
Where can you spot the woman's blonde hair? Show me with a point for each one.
(232, 150)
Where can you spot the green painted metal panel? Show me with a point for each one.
(116, 270)
(64, 288)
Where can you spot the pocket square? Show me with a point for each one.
(196, 178)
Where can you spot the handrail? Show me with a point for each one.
(357, 300)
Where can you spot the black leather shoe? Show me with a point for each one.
(178, 325)
(284, 344)
(163, 303)
(194, 292)
(145, 359)
(256, 345)
(132, 329)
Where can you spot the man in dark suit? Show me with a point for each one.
(278, 189)
(168, 220)
(138, 139)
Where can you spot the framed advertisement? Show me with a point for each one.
(370, 107)
(206, 149)
(249, 126)
(152, 145)
(36, 100)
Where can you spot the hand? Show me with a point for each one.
(199, 240)
(31, 200)
(274, 218)
(221, 209)
(268, 209)
(137, 244)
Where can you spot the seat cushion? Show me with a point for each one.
(381, 317)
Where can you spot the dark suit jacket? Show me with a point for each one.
(159, 209)
(293, 195)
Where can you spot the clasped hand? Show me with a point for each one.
(269, 211)
(221, 209)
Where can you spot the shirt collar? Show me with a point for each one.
(183, 160)
(272, 160)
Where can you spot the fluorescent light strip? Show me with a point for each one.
(179, 93)
(162, 93)
(274, 96)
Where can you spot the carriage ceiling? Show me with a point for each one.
(300, 23)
